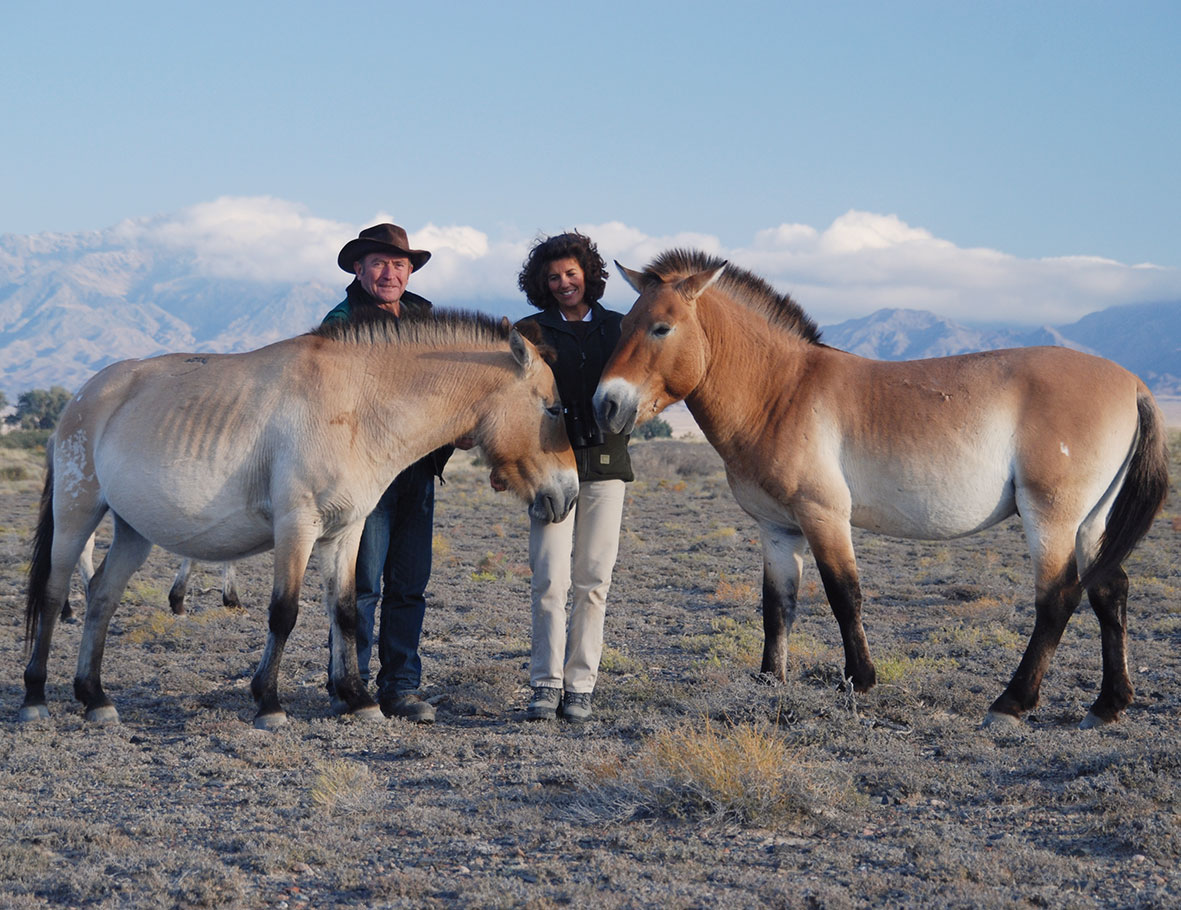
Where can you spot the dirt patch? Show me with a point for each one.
(696, 784)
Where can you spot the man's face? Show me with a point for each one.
(383, 276)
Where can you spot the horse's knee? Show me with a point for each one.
(283, 613)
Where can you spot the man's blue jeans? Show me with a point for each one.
(393, 569)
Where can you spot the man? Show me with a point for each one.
(394, 560)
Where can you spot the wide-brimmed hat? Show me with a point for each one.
(381, 238)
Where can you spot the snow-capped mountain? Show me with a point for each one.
(72, 303)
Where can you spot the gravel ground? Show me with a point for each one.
(696, 784)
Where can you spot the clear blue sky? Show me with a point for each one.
(1038, 129)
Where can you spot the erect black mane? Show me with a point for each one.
(740, 284)
(435, 327)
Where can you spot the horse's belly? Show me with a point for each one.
(201, 520)
(939, 509)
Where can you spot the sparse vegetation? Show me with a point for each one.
(698, 782)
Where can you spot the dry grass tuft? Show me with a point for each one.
(740, 774)
(344, 786)
(734, 592)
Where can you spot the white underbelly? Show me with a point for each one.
(898, 504)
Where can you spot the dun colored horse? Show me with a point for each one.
(218, 457)
(816, 441)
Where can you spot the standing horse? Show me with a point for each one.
(816, 440)
(218, 457)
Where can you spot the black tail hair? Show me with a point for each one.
(39, 565)
(1139, 499)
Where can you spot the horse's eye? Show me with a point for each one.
(661, 329)
(554, 410)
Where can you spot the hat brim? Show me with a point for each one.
(363, 246)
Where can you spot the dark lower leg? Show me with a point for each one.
(1053, 609)
(1109, 600)
(844, 596)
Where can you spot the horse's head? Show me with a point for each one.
(662, 352)
(523, 433)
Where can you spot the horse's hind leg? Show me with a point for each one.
(783, 565)
(339, 559)
(85, 572)
(128, 551)
(1109, 600)
(1058, 594)
(229, 586)
(55, 555)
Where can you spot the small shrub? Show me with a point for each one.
(656, 428)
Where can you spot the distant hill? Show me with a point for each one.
(1145, 338)
(72, 303)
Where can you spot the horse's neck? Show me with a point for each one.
(746, 357)
(418, 402)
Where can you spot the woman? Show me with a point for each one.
(564, 277)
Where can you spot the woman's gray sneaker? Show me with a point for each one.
(576, 706)
(544, 703)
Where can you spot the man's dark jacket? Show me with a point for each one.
(357, 306)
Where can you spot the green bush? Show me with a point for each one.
(656, 428)
(24, 439)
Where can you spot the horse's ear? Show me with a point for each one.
(694, 286)
(637, 280)
(522, 350)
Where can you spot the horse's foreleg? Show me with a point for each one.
(128, 551)
(291, 561)
(783, 565)
(180, 585)
(1109, 600)
(1058, 594)
(832, 545)
(340, 600)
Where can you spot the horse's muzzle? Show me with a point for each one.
(553, 503)
(615, 404)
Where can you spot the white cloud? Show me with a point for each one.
(860, 263)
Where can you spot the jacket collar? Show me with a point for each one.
(552, 317)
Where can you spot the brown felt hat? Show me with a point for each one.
(381, 238)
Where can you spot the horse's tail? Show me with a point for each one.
(35, 605)
(1140, 497)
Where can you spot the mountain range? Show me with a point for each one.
(72, 303)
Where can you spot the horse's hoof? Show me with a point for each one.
(1093, 720)
(1000, 719)
(370, 714)
(33, 712)
(270, 721)
(103, 715)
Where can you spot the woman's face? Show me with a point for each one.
(568, 285)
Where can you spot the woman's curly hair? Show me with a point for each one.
(534, 277)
